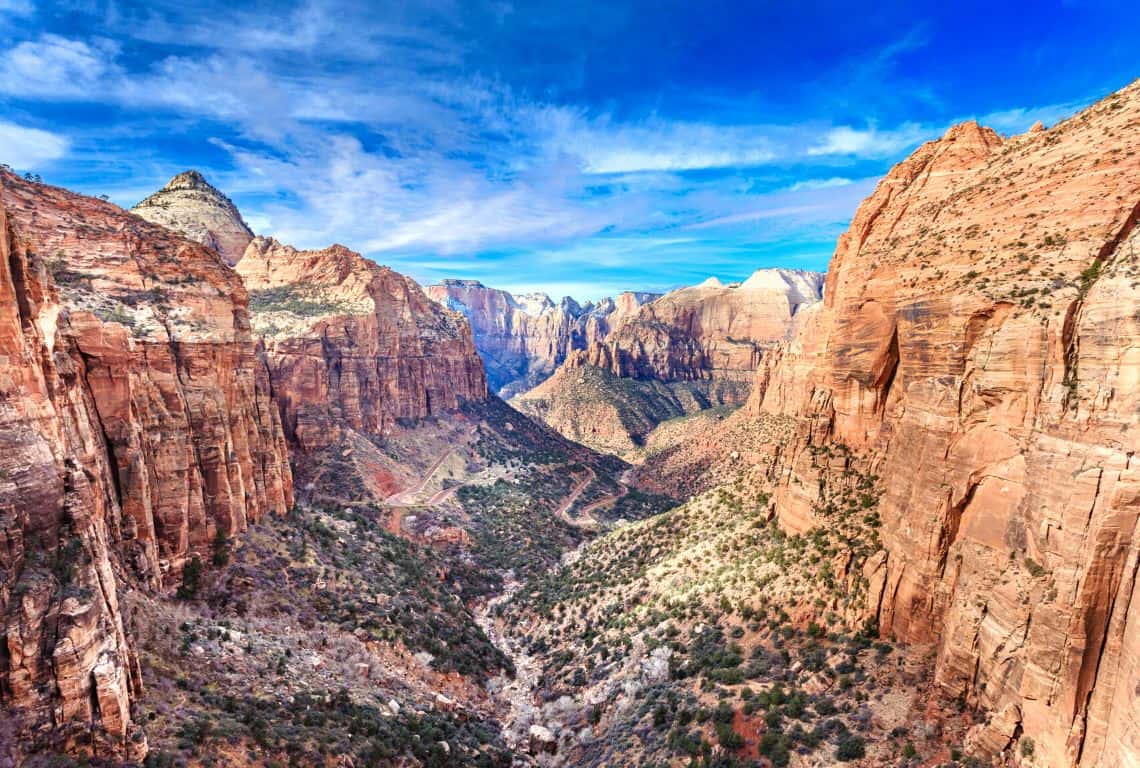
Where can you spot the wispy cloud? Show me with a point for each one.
(605, 146)
(442, 135)
(55, 67)
(834, 181)
(29, 148)
(870, 142)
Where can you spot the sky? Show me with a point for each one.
(572, 147)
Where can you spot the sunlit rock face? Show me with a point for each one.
(684, 352)
(353, 345)
(192, 206)
(524, 338)
(978, 344)
(708, 331)
(136, 427)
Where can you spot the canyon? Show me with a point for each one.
(689, 350)
(523, 339)
(265, 505)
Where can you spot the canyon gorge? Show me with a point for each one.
(267, 505)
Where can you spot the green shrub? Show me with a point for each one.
(850, 748)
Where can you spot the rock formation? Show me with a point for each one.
(136, 427)
(353, 345)
(708, 331)
(691, 349)
(523, 339)
(191, 205)
(976, 348)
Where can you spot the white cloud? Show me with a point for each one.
(605, 146)
(834, 181)
(825, 203)
(871, 142)
(56, 67)
(25, 148)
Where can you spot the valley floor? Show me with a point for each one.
(510, 600)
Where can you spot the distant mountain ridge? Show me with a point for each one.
(691, 349)
(524, 338)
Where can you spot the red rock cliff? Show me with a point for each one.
(523, 339)
(135, 423)
(978, 344)
(708, 331)
(354, 345)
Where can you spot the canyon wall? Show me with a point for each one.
(689, 350)
(353, 345)
(708, 331)
(523, 339)
(136, 426)
(977, 349)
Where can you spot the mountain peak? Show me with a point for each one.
(190, 179)
(192, 206)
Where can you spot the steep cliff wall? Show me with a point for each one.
(977, 349)
(708, 331)
(354, 345)
(135, 424)
(523, 339)
(684, 352)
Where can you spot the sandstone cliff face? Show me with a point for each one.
(686, 351)
(977, 349)
(190, 205)
(135, 424)
(708, 331)
(523, 339)
(352, 345)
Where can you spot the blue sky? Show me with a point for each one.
(578, 148)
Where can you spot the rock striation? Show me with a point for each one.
(977, 350)
(192, 206)
(353, 345)
(523, 339)
(707, 331)
(136, 427)
(686, 351)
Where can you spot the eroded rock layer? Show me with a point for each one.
(192, 206)
(977, 346)
(689, 350)
(523, 339)
(708, 331)
(354, 345)
(136, 427)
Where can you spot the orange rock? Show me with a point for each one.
(523, 339)
(135, 422)
(977, 344)
(688, 350)
(708, 331)
(351, 344)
